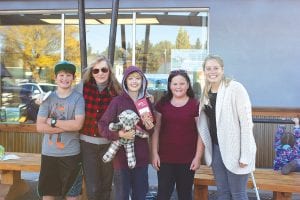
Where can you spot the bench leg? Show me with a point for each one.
(282, 196)
(11, 185)
(200, 192)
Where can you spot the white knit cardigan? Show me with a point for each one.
(234, 129)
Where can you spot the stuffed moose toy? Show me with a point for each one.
(128, 120)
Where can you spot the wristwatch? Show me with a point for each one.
(53, 122)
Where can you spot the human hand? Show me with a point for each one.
(155, 161)
(195, 164)
(42, 97)
(49, 121)
(242, 165)
(39, 99)
(147, 120)
(129, 135)
(150, 97)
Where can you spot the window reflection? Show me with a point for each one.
(31, 44)
(179, 41)
(29, 50)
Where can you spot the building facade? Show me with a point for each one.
(259, 41)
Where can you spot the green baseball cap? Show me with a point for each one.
(65, 66)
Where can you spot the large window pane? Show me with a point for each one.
(158, 42)
(98, 40)
(170, 41)
(30, 47)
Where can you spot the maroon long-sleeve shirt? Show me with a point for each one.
(116, 106)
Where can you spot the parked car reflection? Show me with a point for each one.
(18, 101)
(33, 90)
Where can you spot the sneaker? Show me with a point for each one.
(290, 167)
(151, 195)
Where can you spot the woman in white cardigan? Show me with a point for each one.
(226, 129)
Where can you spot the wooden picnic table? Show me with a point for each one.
(11, 184)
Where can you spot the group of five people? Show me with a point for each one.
(75, 122)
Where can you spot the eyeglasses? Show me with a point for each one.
(178, 71)
(103, 70)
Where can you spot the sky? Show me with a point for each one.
(98, 36)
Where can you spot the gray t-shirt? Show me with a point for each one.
(63, 109)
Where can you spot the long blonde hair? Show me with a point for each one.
(204, 97)
(112, 80)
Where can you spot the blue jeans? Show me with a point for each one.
(171, 174)
(131, 182)
(229, 185)
(98, 175)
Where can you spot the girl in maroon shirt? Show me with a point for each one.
(176, 146)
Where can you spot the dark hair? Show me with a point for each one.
(288, 138)
(168, 96)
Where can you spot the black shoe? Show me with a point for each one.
(290, 167)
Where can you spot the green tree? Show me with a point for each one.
(198, 44)
(157, 55)
(163, 49)
(152, 58)
(183, 39)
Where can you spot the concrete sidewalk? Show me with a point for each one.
(32, 178)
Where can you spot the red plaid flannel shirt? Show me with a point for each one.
(95, 105)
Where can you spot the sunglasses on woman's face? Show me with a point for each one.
(103, 70)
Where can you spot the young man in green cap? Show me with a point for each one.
(60, 118)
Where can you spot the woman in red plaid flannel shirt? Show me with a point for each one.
(98, 87)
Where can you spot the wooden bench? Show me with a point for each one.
(11, 184)
(266, 179)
